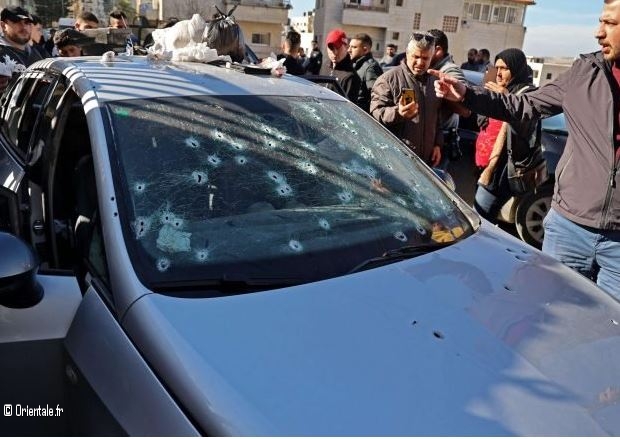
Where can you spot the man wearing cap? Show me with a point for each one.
(16, 24)
(69, 42)
(340, 64)
(415, 122)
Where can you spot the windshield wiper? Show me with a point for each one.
(399, 254)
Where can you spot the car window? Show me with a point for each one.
(555, 123)
(268, 187)
(22, 109)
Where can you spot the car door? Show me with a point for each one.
(31, 332)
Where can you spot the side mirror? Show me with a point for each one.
(18, 269)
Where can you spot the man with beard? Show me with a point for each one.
(582, 228)
(16, 24)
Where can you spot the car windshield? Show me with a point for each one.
(247, 188)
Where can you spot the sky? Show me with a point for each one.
(554, 27)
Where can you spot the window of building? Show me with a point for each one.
(450, 23)
(549, 75)
(399, 2)
(514, 16)
(395, 35)
(261, 39)
(536, 73)
(499, 14)
(417, 17)
(485, 12)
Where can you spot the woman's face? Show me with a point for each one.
(503, 73)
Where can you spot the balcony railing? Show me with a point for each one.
(286, 4)
(362, 6)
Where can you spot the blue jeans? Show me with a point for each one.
(595, 253)
(488, 204)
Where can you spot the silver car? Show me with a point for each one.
(190, 249)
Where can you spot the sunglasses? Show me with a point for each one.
(419, 36)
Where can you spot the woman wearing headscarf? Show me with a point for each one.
(513, 76)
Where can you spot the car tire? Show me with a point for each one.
(531, 211)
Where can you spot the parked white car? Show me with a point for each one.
(195, 250)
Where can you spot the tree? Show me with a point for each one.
(50, 11)
(127, 8)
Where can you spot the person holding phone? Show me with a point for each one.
(403, 100)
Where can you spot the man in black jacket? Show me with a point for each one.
(290, 53)
(340, 64)
(315, 59)
(360, 49)
(582, 229)
(16, 24)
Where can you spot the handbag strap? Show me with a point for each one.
(537, 144)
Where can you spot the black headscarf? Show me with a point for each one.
(517, 64)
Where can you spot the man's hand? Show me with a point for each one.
(448, 87)
(407, 111)
(435, 156)
(494, 86)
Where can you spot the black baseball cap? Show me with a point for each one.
(15, 13)
(71, 37)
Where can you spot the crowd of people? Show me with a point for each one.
(420, 96)
(23, 41)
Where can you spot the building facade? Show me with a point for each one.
(491, 24)
(548, 69)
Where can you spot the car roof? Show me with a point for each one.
(136, 77)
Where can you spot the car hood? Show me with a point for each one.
(486, 337)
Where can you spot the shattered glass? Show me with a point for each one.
(241, 187)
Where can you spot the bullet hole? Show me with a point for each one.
(202, 255)
(139, 188)
(345, 196)
(163, 264)
(400, 236)
(295, 245)
(200, 177)
(284, 190)
(214, 160)
(278, 178)
(192, 142)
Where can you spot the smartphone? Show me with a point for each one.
(408, 95)
(490, 75)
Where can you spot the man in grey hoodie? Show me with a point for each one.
(582, 229)
(16, 24)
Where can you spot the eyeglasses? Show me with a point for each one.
(417, 36)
